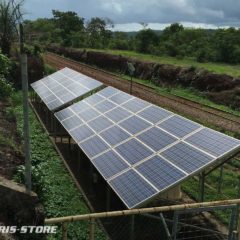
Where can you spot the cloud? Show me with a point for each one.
(215, 12)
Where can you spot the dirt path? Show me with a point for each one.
(179, 105)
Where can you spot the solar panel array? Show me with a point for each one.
(63, 86)
(141, 149)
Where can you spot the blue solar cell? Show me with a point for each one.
(49, 98)
(81, 133)
(67, 97)
(88, 115)
(93, 146)
(132, 188)
(78, 91)
(135, 105)
(134, 124)
(114, 135)
(100, 123)
(156, 138)
(72, 122)
(213, 142)
(118, 114)
(160, 173)
(108, 92)
(63, 114)
(179, 126)
(54, 104)
(104, 106)
(94, 99)
(79, 107)
(154, 114)
(186, 157)
(109, 164)
(121, 97)
(133, 151)
(65, 88)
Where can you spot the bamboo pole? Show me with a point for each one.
(91, 229)
(141, 211)
(64, 231)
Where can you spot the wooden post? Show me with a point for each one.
(220, 180)
(91, 229)
(64, 231)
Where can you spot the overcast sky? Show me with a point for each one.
(127, 14)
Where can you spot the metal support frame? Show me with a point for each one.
(175, 225)
(108, 202)
(232, 224)
(132, 227)
(201, 186)
(165, 226)
(220, 181)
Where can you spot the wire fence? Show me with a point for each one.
(177, 222)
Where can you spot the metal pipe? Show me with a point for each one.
(140, 211)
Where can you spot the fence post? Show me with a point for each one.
(201, 186)
(91, 229)
(132, 227)
(64, 231)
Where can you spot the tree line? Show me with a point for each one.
(70, 30)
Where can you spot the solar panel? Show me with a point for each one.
(109, 164)
(151, 168)
(134, 124)
(179, 126)
(156, 138)
(154, 114)
(100, 123)
(133, 151)
(186, 157)
(141, 149)
(93, 146)
(114, 135)
(213, 142)
(135, 105)
(132, 188)
(118, 114)
(63, 87)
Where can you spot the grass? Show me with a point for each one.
(52, 182)
(188, 93)
(221, 68)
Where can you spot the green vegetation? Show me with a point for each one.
(188, 93)
(10, 14)
(6, 88)
(51, 180)
(190, 45)
(221, 68)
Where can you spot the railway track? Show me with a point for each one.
(183, 106)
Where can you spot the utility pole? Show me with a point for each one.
(24, 75)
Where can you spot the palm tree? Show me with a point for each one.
(10, 15)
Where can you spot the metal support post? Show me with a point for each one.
(201, 186)
(175, 225)
(165, 226)
(220, 180)
(132, 226)
(24, 75)
(108, 199)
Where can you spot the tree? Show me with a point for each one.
(98, 32)
(144, 39)
(10, 15)
(68, 23)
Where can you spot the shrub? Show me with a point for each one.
(6, 88)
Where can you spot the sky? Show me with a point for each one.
(128, 14)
